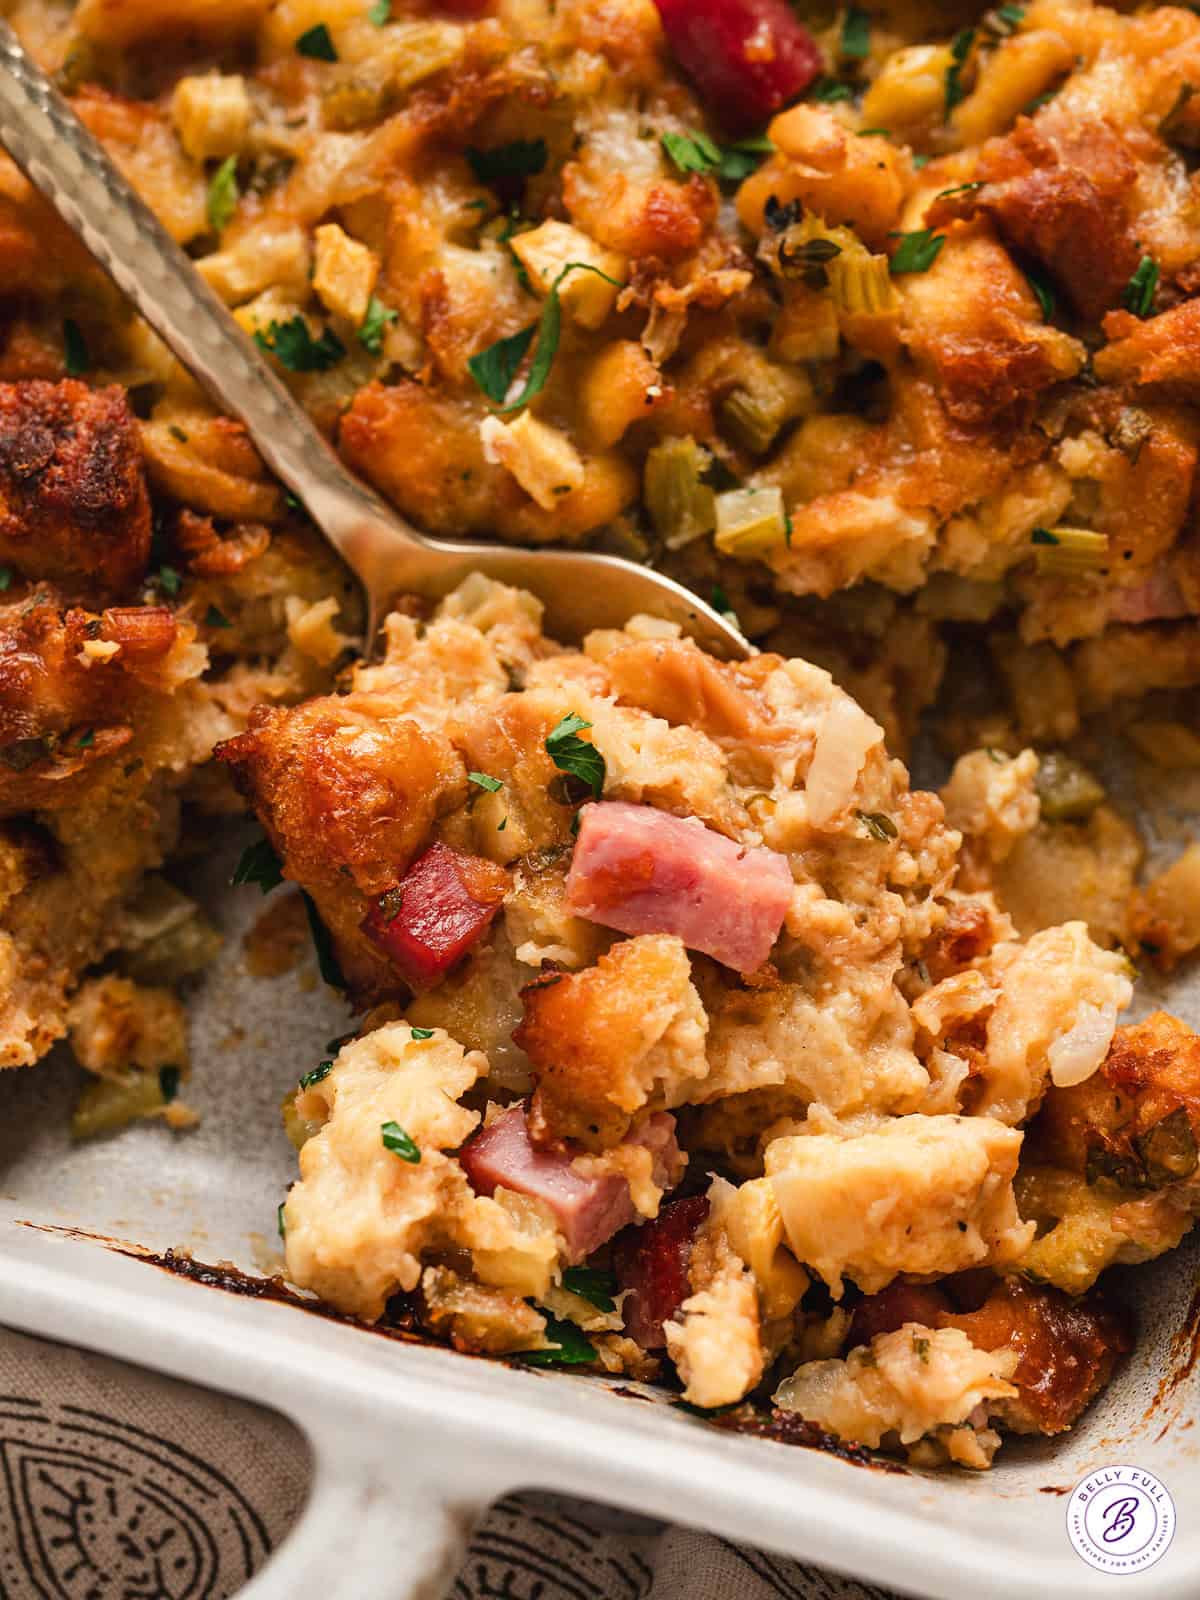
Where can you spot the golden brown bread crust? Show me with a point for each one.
(73, 502)
(348, 798)
(1134, 1122)
(1068, 1349)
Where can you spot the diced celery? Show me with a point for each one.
(750, 522)
(681, 507)
(1067, 790)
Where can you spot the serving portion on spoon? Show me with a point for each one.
(580, 590)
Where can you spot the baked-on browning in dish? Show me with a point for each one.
(691, 1040)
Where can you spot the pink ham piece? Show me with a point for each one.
(442, 906)
(1158, 599)
(588, 1210)
(748, 58)
(644, 871)
(652, 1263)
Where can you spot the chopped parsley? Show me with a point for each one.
(421, 1033)
(317, 1075)
(316, 44)
(1004, 20)
(692, 152)
(574, 755)
(380, 13)
(569, 1347)
(294, 347)
(168, 1083)
(86, 739)
(1141, 288)
(76, 356)
(855, 41)
(879, 825)
(921, 1350)
(327, 961)
(828, 91)
(592, 1285)
(960, 49)
(495, 368)
(216, 619)
(1043, 536)
(168, 580)
(177, 432)
(959, 188)
(400, 1143)
(744, 156)
(6, 578)
(374, 325)
(1043, 292)
(222, 199)
(522, 158)
(485, 781)
(280, 1220)
(917, 251)
(258, 864)
(1040, 100)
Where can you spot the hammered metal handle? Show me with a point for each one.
(72, 169)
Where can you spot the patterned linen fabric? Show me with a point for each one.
(118, 1484)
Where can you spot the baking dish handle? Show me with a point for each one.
(371, 1528)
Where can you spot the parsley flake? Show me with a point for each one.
(592, 1285)
(828, 91)
(421, 1033)
(76, 356)
(917, 251)
(380, 13)
(921, 1350)
(495, 368)
(281, 1220)
(223, 195)
(692, 152)
(86, 739)
(855, 42)
(258, 864)
(959, 188)
(574, 755)
(960, 49)
(1043, 536)
(568, 1347)
(400, 1143)
(168, 1083)
(522, 158)
(879, 825)
(374, 325)
(294, 347)
(216, 619)
(1043, 293)
(168, 580)
(740, 159)
(485, 781)
(1142, 287)
(317, 1075)
(1004, 20)
(316, 44)
(6, 578)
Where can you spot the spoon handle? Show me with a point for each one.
(62, 159)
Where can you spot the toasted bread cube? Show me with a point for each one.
(345, 273)
(211, 114)
(586, 297)
(541, 458)
(266, 256)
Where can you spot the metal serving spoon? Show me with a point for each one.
(580, 589)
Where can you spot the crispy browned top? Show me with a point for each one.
(73, 500)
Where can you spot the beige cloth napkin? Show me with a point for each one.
(117, 1484)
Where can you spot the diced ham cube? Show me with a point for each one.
(892, 1307)
(748, 58)
(588, 1210)
(441, 908)
(652, 1263)
(1158, 599)
(643, 871)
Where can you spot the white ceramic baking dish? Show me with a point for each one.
(410, 1443)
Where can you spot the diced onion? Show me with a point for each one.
(1078, 1053)
(846, 735)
